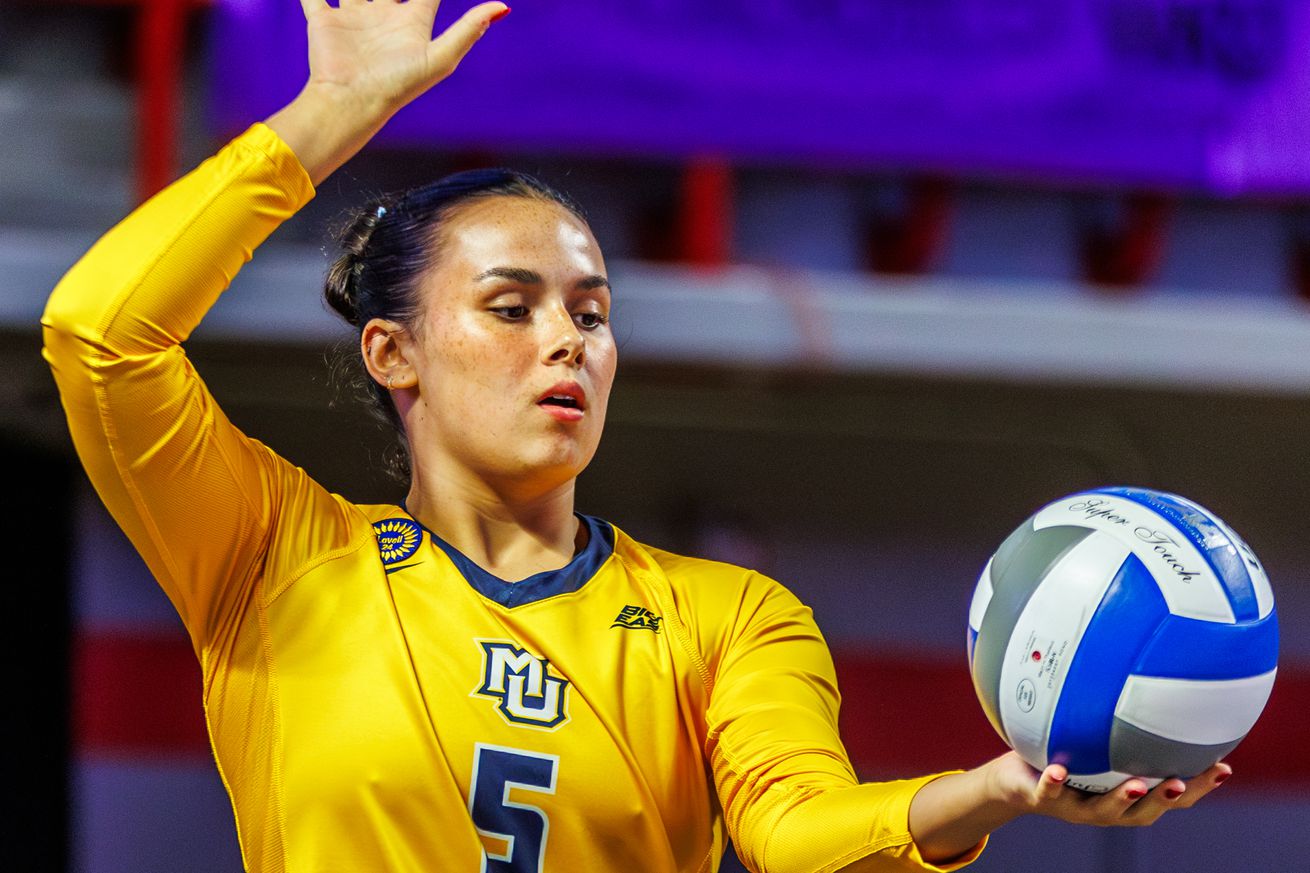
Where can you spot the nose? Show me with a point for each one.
(566, 344)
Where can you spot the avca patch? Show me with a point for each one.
(398, 539)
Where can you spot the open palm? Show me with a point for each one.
(382, 52)
(1128, 805)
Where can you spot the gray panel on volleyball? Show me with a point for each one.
(1018, 567)
(1141, 753)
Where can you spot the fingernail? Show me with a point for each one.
(1221, 778)
(1136, 794)
(1172, 793)
(1058, 779)
(499, 15)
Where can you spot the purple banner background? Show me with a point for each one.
(1199, 94)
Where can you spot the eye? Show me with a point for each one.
(591, 320)
(511, 313)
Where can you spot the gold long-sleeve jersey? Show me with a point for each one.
(377, 703)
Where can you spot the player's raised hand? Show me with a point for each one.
(367, 59)
(381, 52)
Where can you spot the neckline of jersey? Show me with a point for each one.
(539, 586)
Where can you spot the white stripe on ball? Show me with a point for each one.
(1192, 711)
(982, 595)
(1052, 624)
(1189, 585)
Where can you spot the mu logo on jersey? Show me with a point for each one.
(526, 694)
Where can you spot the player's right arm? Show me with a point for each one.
(199, 500)
(193, 495)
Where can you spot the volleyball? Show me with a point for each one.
(1123, 632)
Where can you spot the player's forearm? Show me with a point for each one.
(326, 125)
(951, 815)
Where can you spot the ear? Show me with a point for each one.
(387, 346)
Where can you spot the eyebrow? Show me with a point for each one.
(531, 277)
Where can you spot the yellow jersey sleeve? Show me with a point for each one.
(790, 797)
(196, 497)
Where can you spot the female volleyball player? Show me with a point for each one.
(377, 697)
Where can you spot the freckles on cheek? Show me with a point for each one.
(471, 370)
(450, 347)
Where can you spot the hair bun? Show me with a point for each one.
(341, 289)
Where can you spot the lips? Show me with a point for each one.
(564, 395)
(564, 402)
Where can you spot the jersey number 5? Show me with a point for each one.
(520, 828)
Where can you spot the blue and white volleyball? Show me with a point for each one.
(1123, 632)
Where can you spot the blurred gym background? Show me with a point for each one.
(890, 275)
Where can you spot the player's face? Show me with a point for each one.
(515, 354)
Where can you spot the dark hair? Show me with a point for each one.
(385, 251)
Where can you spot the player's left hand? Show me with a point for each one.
(1130, 804)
